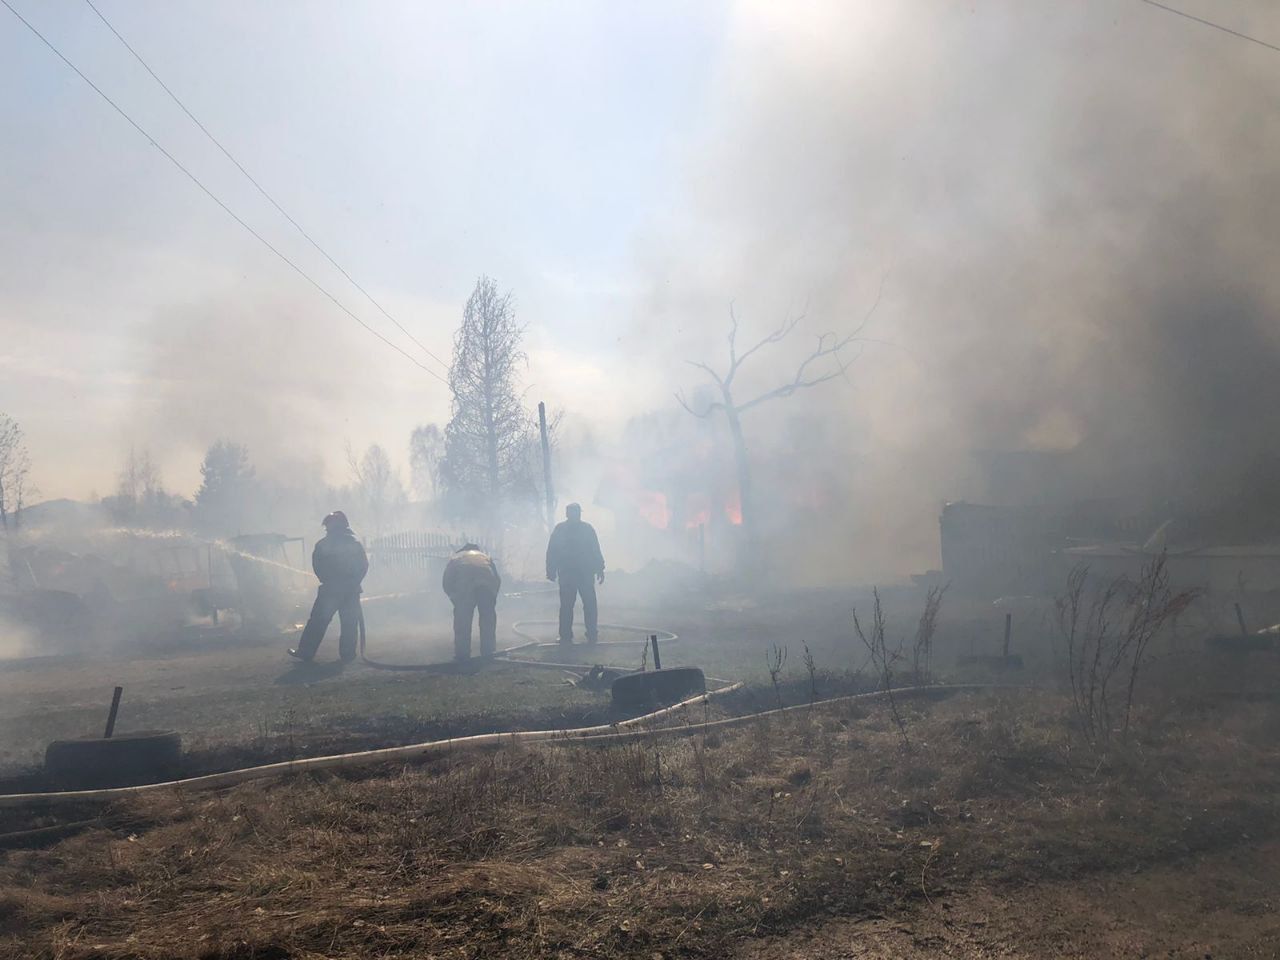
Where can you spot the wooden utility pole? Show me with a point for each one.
(546, 465)
(111, 716)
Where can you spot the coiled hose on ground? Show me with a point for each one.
(531, 642)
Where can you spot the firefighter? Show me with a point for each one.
(574, 558)
(471, 581)
(340, 564)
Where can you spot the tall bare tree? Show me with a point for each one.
(829, 359)
(489, 436)
(378, 486)
(139, 489)
(426, 452)
(15, 468)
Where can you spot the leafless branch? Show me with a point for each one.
(883, 658)
(777, 336)
(829, 346)
(829, 352)
(711, 407)
(710, 372)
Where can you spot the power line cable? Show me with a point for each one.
(212, 196)
(1209, 23)
(260, 188)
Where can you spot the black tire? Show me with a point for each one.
(658, 687)
(149, 756)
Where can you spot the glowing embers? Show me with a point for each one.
(653, 509)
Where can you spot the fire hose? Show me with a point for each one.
(381, 755)
(602, 734)
(531, 642)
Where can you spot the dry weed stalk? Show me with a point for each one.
(1107, 636)
(811, 666)
(589, 858)
(882, 658)
(777, 660)
(922, 648)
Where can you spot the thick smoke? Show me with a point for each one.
(1073, 210)
(282, 377)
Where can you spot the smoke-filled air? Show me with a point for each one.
(681, 480)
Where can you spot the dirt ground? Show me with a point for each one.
(992, 831)
(1214, 906)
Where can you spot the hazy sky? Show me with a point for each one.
(1038, 185)
(420, 143)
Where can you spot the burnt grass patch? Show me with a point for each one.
(671, 847)
(292, 734)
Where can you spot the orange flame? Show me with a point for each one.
(699, 519)
(653, 509)
(733, 510)
(697, 510)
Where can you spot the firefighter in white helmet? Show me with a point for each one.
(471, 581)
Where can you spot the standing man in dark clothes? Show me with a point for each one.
(574, 557)
(471, 581)
(340, 563)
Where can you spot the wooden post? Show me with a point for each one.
(657, 657)
(1008, 629)
(111, 717)
(1244, 631)
(546, 465)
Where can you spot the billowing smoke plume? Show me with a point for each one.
(282, 376)
(1073, 210)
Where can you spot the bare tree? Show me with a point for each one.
(15, 469)
(1107, 636)
(489, 438)
(378, 486)
(140, 493)
(426, 453)
(828, 360)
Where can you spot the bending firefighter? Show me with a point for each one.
(471, 581)
(574, 558)
(340, 563)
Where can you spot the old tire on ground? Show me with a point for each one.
(658, 687)
(88, 763)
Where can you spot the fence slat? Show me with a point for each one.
(413, 549)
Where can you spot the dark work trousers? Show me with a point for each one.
(572, 587)
(342, 599)
(465, 604)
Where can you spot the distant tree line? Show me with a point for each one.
(15, 471)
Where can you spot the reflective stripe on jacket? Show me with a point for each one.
(469, 570)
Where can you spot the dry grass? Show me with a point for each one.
(671, 849)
